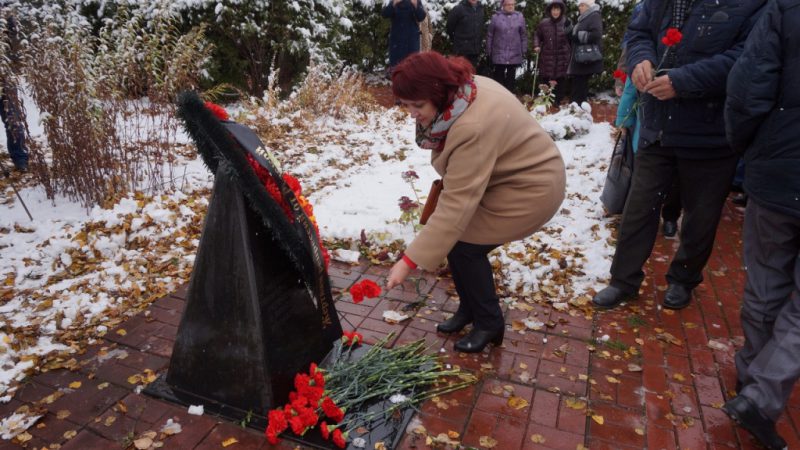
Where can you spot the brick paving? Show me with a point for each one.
(671, 403)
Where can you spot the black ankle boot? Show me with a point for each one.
(454, 324)
(477, 339)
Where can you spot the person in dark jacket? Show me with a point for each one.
(762, 111)
(465, 29)
(507, 43)
(551, 42)
(10, 103)
(682, 134)
(588, 30)
(404, 34)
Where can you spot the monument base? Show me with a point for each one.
(388, 430)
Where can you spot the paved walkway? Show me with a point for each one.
(632, 378)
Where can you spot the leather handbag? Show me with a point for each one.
(620, 174)
(431, 201)
(588, 53)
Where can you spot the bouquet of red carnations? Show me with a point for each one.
(337, 399)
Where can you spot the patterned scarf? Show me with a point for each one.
(433, 136)
(680, 11)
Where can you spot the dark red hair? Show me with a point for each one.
(430, 76)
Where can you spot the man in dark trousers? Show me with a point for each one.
(682, 135)
(465, 29)
(761, 116)
(10, 103)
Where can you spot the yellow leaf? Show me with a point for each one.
(23, 437)
(102, 386)
(575, 403)
(228, 442)
(538, 438)
(487, 441)
(122, 332)
(612, 379)
(517, 402)
(598, 419)
(63, 414)
(109, 420)
(70, 434)
(452, 434)
(75, 385)
(617, 371)
(639, 431)
(678, 377)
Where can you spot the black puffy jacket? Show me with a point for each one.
(465, 28)
(713, 38)
(762, 111)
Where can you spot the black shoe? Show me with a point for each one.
(742, 411)
(477, 339)
(454, 324)
(670, 228)
(678, 296)
(738, 387)
(739, 199)
(611, 297)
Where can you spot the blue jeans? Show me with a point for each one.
(15, 129)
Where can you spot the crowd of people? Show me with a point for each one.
(708, 99)
(501, 43)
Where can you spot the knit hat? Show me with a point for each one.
(586, 2)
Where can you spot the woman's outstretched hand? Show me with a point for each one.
(398, 274)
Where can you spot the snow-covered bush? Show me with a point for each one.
(102, 141)
(568, 123)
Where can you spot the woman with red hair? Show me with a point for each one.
(503, 179)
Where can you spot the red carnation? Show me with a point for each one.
(357, 292)
(301, 381)
(217, 110)
(272, 436)
(370, 288)
(319, 379)
(672, 37)
(339, 438)
(277, 420)
(620, 75)
(331, 410)
(324, 431)
(298, 425)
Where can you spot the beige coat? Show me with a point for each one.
(503, 178)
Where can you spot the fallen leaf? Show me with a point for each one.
(612, 380)
(517, 402)
(487, 441)
(634, 368)
(62, 414)
(143, 443)
(109, 420)
(122, 332)
(452, 434)
(575, 403)
(678, 377)
(70, 434)
(598, 419)
(228, 442)
(537, 438)
(75, 385)
(639, 431)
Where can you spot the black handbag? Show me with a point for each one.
(620, 174)
(587, 53)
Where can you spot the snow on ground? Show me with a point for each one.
(71, 274)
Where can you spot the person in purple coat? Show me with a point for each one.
(551, 42)
(506, 42)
